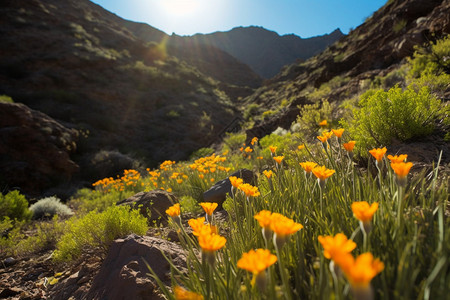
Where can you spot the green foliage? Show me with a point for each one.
(284, 143)
(14, 206)
(190, 204)
(10, 235)
(46, 235)
(399, 25)
(327, 88)
(396, 76)
(201, 152)
(234, 141)
(86, 200)
(6, 99)
(395, 114)
(431, 59)
(268, 113)
(48, 207)
(250, 111)
(311, 115)
(173, 114)
(340, 57)
(98, 230)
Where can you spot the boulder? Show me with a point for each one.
(124, 273)
(218, 192)
(34, 150)
(151, 204)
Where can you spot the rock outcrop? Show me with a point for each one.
(34, 150)
(218, 192)
(151, 204)
(124, 272)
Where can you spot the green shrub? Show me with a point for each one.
(14, 206)
(431, 59)
(201, 153)
(10, 235)
(311, 115)
(48, 207)
(6, 99)
(393, 115)
(98, 230)
(282, 142)
(251, 111)
(233, 141)
(86, 200)
(45, 237)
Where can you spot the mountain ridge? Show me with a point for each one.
(263, 50)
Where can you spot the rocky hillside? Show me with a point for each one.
(263, 50)
(347, 67)
(74, 62)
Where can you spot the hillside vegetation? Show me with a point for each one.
(324, 227)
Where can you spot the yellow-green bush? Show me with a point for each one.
(6, 99)
(311, 115)
(9, 235)
(86, 200)
(98, 230)
(431, 59)
(45, 236)
(14, 206)
(383, 117)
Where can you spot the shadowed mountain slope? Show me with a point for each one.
(73, 61)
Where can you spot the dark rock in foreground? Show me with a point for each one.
(123, 274)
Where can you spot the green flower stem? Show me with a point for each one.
(287, 289)
(400, 207)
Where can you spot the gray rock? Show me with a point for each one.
(218, 192)
(124, 273)
(151, 204)
(9, 261)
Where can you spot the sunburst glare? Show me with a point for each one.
(180, 7)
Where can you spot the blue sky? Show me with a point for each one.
(304, 18)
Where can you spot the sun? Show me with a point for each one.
(180, 7)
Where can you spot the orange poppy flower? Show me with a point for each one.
(338, 132)
(268, 174)
(401, 169)
(273, 149)
(349, 146)
(335, 246)
(323, 123)
(308, 166)
(363, 211)
(256, 261)
(378, 153)
(208, 207)
(235, 181)
(174, 210)
(182, 294)
(283, 227)
(322, 173)
(397, 158)
(278, 159)
(360, 271)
